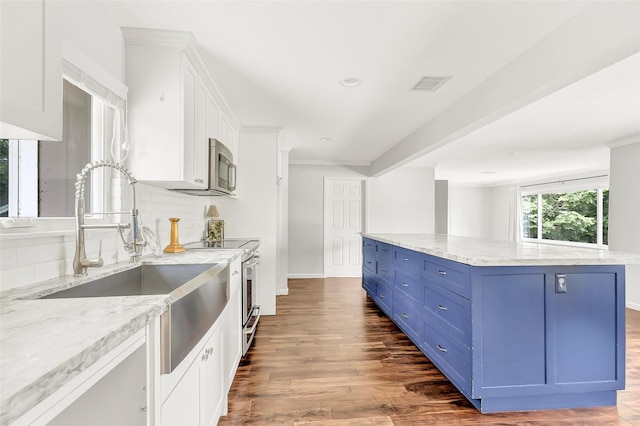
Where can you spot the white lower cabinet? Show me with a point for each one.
(213, 395)
(182, 405)
(112, 391)
(196, 393)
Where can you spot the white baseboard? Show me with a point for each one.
(634, 306)
(294, 276)
(283, 292)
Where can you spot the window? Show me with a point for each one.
(4, 177)
(571, 215)
(37, 178)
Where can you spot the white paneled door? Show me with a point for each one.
(343, 211)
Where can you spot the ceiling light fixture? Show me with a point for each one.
(350, 82)
(324, 139)
(512, 154)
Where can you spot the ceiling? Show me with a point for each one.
(281, 63)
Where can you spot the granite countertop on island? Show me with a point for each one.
(45, 343)
(485, 252)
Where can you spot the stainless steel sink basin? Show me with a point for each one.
(143, 280)
(198, 297)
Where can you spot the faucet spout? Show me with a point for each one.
(137, 243)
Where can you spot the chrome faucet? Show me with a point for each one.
(137, 243)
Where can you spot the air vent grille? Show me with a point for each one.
(430, 83)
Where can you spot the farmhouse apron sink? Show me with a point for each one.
(198, 296)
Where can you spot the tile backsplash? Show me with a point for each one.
(33, 258)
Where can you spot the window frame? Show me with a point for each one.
(598, 183)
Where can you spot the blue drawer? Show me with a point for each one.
(410, 261)
(409, 284)
(451, 275)
(448, 354)
(385, 272)
(450, 311)
(384, 252)
(369, 261)
(407, 316)
(368, 246)
(384, 297)
(369, 284)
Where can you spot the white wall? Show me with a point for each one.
(499, 212)
(441, 206)
(470, 211)
(306, 189)
(87, 28)
(624, 211)
(254, 214)
(400, 201)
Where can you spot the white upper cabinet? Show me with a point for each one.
(212, 118)
(30, 70)
(223, 130)
(172, 114)
(164, 118)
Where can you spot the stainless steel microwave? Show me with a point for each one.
(222, 170)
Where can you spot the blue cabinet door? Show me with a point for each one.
(509, 336)
(582, 324)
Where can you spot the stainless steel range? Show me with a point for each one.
(250, 264)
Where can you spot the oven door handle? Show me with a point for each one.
(255, 323)
(251, 263)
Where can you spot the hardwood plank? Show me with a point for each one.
(331, 357)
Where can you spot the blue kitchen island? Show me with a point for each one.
(514, 326)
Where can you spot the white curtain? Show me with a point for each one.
(515, 214)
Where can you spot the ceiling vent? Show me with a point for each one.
(430, 84)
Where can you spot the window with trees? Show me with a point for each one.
(578, 216)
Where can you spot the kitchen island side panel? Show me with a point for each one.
(532, 336)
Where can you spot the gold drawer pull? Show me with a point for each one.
(405, 285)
(404, 315)
(442, 272)
(442, 308)
(441, 349)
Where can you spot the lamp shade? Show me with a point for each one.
(213, 211)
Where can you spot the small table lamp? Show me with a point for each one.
(215, 227)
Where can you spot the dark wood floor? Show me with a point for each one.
(331, 357)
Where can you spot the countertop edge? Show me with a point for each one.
(522, 254)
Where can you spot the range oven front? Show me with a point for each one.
(250, 308)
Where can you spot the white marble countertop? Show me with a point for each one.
(45, 343)
(482, 252)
